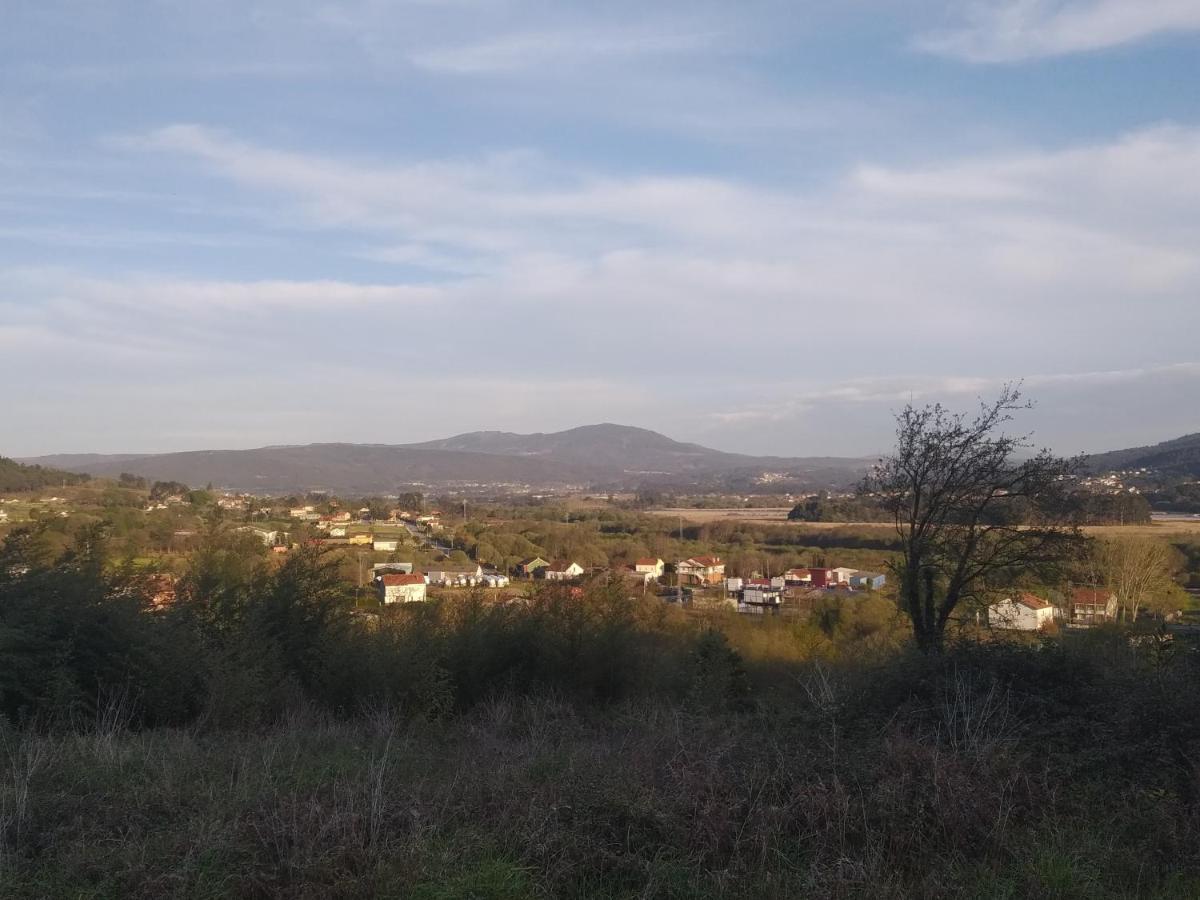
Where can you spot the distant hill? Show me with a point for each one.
(609, 456)
(1175, 458)
(15, 476)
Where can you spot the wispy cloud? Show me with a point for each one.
(1005, 31)
(569, 46)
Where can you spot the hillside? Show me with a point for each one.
(341, 468)
(606, 456)
(15, 476)
(1179, 457)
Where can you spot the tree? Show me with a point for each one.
(949, 486)
(1138, 571)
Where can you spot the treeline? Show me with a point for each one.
(249, 637)
(15, 476)
(1181, 497)
(1080, 507)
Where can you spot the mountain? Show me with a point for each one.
(608, 456)
(1175, 458)
(619, 447)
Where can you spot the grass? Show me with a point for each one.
(859, 785)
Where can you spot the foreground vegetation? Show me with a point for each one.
(260, 739)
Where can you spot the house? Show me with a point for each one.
(562, 571)
(531, 567)
(871, 581)
(631, 574)
(268, 538)
(1025, 612)
(758, 597)
(652, 567)
(797, 577)
(453, 575)
(1091, 606)
(842, 575)
(701, 570)
(363, 539)
(398, 587)
(337, 531)
(385, 545)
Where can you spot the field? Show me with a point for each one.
(778, 516)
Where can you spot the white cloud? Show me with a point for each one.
(567, 46)
(1004, 31)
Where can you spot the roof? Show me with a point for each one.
(648, 561)
(399, 580)
(1091, 596)
(1031, 601)
(533, 559)
(562, 566)
(704, 560)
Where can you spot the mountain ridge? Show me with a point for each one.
(607, 454)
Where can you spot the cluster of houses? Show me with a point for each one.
(1029, 612)
(766, 595)
(399, 582)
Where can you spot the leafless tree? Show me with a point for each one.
(972, 516)
(1138, 570)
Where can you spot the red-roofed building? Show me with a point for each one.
(649, 566)
(400, 588)
(1090, 606)
(702, 570)
(1025, 612)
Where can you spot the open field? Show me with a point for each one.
(778, 516)
(702, 516)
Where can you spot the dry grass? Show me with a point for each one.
(870, 783)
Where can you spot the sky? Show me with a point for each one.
(762, 226)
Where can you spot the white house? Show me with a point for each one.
(1025, 612)
(650, 566)
(400, 588)
(702, 570)
(269, 538)
(563, 571)
(842, 575)
(337, 531)
(385, 545)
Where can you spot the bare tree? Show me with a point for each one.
(1138, 571)
(972, 518)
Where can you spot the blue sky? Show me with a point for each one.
(762, 226)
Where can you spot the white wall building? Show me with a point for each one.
(400, 588)
(1025, 612)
